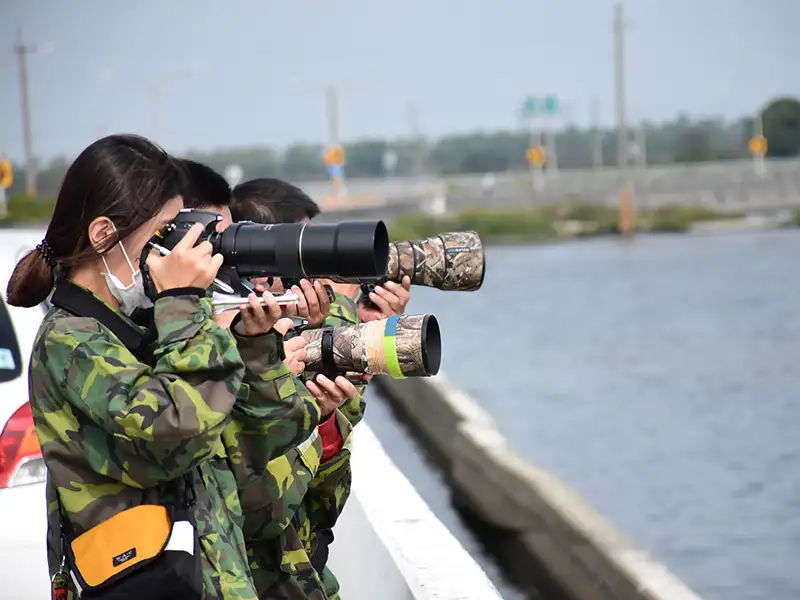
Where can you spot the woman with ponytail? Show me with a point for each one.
(137, 477)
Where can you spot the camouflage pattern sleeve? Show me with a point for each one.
(330, 488)
(344, 311)
(163, 420)
(274, 411)
(274, 417)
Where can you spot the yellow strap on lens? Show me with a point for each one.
(390, 348)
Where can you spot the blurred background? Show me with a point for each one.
(649, 357)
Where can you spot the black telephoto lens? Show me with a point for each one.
(357, 249)
(347, 249)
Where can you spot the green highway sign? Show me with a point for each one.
(541, 106)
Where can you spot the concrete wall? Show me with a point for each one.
(388, 544)
(551, 528)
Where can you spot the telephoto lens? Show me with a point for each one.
(346, 249)
(451, 261)
(358, 249)
(400, 346)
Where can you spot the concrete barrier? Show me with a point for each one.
(388, 543)
(552, 528)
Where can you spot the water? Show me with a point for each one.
(661, 379)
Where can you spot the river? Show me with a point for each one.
(661, 379)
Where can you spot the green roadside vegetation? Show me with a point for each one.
(510, 225)
(22, 210)
(551, 222)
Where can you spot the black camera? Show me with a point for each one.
(357, 249)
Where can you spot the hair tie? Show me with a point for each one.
(47, 252)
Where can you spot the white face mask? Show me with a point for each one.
(132, 296)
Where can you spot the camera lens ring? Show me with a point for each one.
(300, 249)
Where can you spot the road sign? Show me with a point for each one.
(758, 146)
(6, 173)
(536, 156)
(540, 106)
(334, 156)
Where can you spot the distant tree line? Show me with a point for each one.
(683, 140)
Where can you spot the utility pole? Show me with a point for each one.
(641, 145)
(758, 144)
(22, 50)
(597, 137)
(626, 206)
(418, 158)
(619, 87)
(551, 152)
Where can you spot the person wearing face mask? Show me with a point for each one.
(132, 296)
(131, 433)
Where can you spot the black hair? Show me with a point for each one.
(203, 186)
(271, 201)
(126, 178)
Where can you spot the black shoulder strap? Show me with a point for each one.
(81, 303)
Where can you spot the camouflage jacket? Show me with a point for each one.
(344, 311)
(114, 432)
(331, 488)
(304, 496)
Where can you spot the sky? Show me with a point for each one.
(254, 71)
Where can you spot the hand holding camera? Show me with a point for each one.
(385, 300)
(313, 302)
(260, 316)
(186, 265)
(330, 395)
(295, 350)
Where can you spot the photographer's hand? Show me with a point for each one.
(187, 265)
(388, 299)
(295, 350)
(330, 395)
(255, 319)
(314, 304)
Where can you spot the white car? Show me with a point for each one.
(23, 507)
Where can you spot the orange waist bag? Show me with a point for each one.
(148, 551)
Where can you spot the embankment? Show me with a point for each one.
(557, 538)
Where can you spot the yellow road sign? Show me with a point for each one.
(536, 156)
(334, 156)
(6, 173)
(758, 146)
